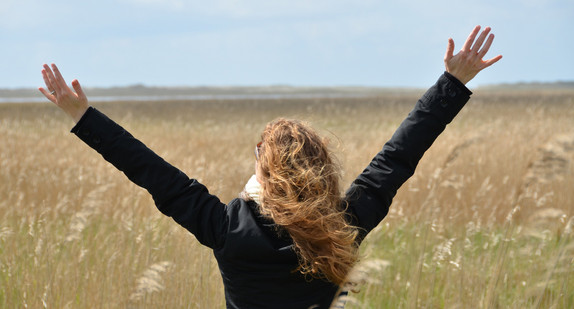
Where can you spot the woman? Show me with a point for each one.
(292, 238)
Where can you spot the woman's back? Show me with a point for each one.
(258, 265)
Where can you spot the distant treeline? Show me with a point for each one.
(532, 86)
(142, 90)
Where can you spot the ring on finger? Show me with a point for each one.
(53, 92)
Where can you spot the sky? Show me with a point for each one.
(382, 43)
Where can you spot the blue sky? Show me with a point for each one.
(270, 42)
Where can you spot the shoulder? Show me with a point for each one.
(240, 212)
(240, 215)
(251, 235)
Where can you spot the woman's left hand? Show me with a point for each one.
(73, 103)
(468, 62)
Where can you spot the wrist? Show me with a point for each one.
(460, 77)
(79, 113)
(457, 82)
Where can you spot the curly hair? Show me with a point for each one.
(301, 194)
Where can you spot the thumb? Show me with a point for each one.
(78, 89)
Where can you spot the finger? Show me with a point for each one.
(486, 46)
(491, 61)
(59, 78)
(47, 80)
(51, 78)
(78, 89)
(48, 95)
(480, 40)
(449, 49)
(470, 38)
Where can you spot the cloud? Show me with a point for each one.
(15, 14)
(165, 4)
(5, 5)
(296, 41)
(249, 9)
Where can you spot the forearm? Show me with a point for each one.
(433, 111)
(372, 192)
(140, 164)
(185, 200)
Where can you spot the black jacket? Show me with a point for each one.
(255, 263)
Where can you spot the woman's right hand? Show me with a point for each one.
(468, 61)
(73, 103)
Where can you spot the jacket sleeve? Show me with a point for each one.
(185, 200)
(371, 194)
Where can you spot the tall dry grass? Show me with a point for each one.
(485, 222)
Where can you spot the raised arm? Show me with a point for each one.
(186, 200)
(371, 194)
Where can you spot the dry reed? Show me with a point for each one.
(74, 233)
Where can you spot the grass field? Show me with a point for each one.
(486, 221)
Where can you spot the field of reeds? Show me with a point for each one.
(485, 222)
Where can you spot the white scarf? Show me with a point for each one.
(252, 190)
